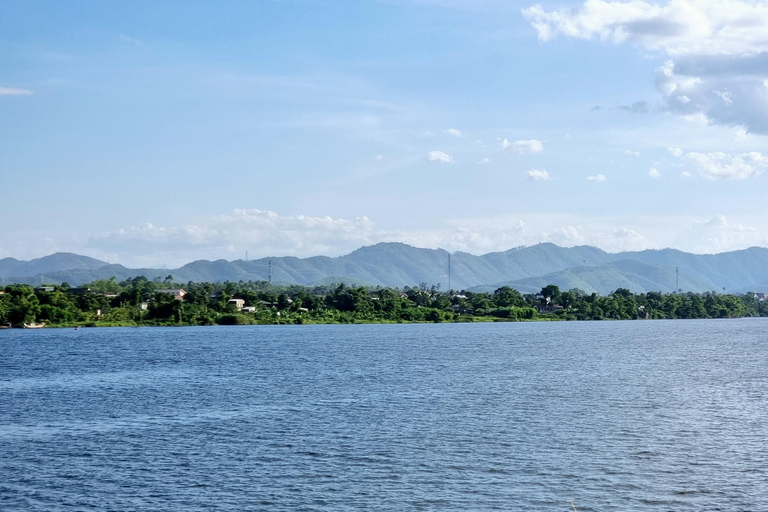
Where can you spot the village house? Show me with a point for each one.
(177, 293)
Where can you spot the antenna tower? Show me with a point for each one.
(449, 272)
(677, 279)
(270, 271)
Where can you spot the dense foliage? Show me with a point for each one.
(138, 301)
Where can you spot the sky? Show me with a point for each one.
(156, 133)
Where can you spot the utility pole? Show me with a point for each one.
(449, 272)
(246, 256)
(677, 279)
(270, 271)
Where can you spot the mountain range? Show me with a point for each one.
(527, 269)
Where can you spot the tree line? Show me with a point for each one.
(139, 301)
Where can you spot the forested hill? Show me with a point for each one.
(398, 265)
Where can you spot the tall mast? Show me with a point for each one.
(449, 272)
(270, 271)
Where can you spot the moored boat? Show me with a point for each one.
(33, 325)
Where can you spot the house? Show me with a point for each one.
(177, 293)
(239, 303)
(78, 291)
(44, 289)
(248, 309)
(547, 308)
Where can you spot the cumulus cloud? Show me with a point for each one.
(654, 173)
(621, 239)
(453, 131)
(484, 161)
(681, 27)
(522, 146)
(10, 91)
(718, 235)
(718, 50)
(538, 175)
(597, 178)
(439, 157)
(729, 166)
(629, 152)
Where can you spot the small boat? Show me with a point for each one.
(33, 325)
(6, 326)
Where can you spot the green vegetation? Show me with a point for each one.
(138, 301)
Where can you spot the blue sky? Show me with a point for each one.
(152, 133)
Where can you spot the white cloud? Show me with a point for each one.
(719, 50)
(484, 161)
(679, 27)
(634, 154)
(654, 173)
(538, 175)
(10, 91)
(566, 236)
(597, 178)
(675, 151)
(439, 157)
(132, 40)
(522, 146)
(453, 131)
(718, 235)
(729, 166)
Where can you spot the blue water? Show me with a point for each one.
(616, 416)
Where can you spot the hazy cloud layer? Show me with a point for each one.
(262, 232)
(265, 233)
(11, 91)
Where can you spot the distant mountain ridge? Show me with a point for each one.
(60, 261)
(398, 265)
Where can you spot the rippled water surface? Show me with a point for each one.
(662, 415)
